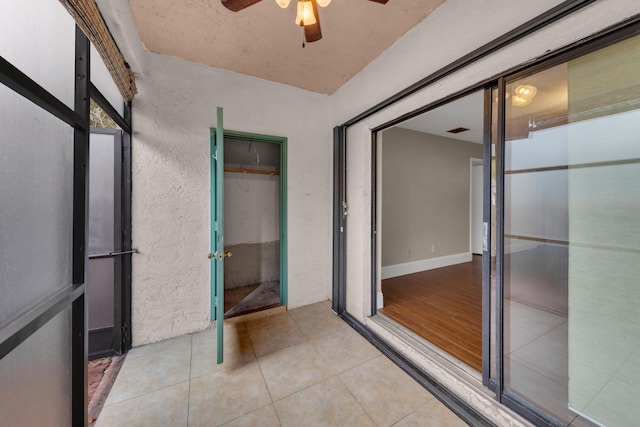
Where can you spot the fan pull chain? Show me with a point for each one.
(303, 37)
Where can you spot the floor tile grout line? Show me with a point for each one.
(310, 342)
(356, 400)
(532, 367)
(431, 396)
(148, 392)
(249, 413)
(345, 369)
(414, 411)
(263, 377)
(144, 347)
(297, 391)
(264, 380)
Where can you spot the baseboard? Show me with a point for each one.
(425, 264)
(520, 246)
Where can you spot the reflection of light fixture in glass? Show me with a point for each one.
(497, 98)
(323, 3)
(283, 3)
(523, 95)
(305, 14)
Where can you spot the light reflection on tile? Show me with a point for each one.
(303, 367)
(324, 405)
(385, 391)
(167, 406)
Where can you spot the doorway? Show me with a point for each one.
(109, 257)
(252, 188)
(430, 213)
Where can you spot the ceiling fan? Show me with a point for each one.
(306, 17)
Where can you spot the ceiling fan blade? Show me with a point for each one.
(236, 5)
(380, 1)
(313, 32)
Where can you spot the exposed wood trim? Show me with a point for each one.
(88, 17)
(254, 171)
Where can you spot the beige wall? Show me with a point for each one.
(425, 195)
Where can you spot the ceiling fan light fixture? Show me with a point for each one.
(523, 95)
(305, 14)
(323, 3)
(283, 3)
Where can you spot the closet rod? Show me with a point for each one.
(256, 171)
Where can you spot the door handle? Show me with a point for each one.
(227, 254)
(112, 254)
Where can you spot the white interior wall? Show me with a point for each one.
(251, 208)
(424, 52)
(172, 115)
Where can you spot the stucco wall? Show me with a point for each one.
(172, 115)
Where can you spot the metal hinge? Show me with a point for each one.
(125, 335)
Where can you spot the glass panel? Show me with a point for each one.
(604, 230)
(36, 195)
(572, 253)
(101, 79)
(36, 377)
(38, 38)
(494, 229)
(100, 289)
(101, 193)
(431, 235)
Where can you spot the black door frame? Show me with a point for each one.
(122, 297)
(118, 341)
(624, 29)
(72, 296)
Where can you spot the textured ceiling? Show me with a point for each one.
(263, 40)
(467, 112)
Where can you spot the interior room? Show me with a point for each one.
(430, 192)
(252, 226)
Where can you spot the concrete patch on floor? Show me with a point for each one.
(102, 374)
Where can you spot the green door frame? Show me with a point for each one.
(282, 141)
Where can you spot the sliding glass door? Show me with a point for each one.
(571, 263)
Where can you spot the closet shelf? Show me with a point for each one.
(256, 171)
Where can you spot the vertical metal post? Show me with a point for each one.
(79, 340)
(339, 219)
(486, 249)
(118, 261)
(284, 232)
(500, 242)
(374, 223)
(127, 260)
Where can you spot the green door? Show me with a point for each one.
(216, 255)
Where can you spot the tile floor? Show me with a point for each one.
(304, 367)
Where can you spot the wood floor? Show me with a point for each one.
(444, 306)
